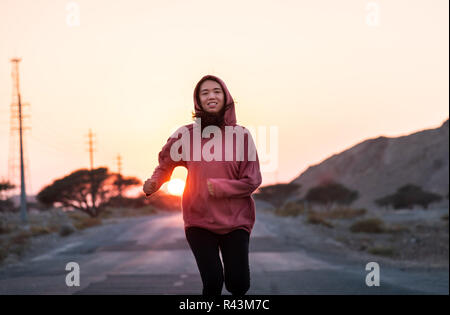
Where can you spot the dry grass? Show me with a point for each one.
(113, 213)
(382, 251)
(84, 223)
(317, 218)
(6, 228)
(397, 228)
(295, 209)
(323, 217)
(3, 250)
(343, 213)
(290, 209)
(371, 225)
(41, 230)
(14, 240)
(16, 244)
(21, 238)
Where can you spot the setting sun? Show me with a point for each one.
(176, 187)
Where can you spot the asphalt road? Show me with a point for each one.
(150, 255)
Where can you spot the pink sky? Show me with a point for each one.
(315, 69)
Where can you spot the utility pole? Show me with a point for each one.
(17, 101)
(119, 167)
(91, 149)
(91, 173)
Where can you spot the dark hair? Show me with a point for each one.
(202, 113)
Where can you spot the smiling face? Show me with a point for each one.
(211, 96)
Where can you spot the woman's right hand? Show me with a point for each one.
(150, 187)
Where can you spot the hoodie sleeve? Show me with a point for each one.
(163, 171)
(248, 181)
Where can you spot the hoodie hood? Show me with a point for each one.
(230, 114)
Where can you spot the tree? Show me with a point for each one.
(278, 193)
(331, 193)
(85, 190)
(407, 196)
(4, 187)
(5, 203)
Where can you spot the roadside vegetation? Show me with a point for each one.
(403, 228)
(80, 200)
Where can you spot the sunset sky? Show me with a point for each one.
(317, 70)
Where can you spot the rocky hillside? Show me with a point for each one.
(377, 167)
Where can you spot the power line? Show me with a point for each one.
(52, 146)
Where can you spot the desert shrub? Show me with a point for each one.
(316, 218)
(6, 206)
(120, 212)
(87, 223)
(408, 196)
(371, 225)
(290, 209)
(66, 229)
(6, 228)
(127, 202)
(331, 193)
(5, 203)
(382, 251)
(82, 221)
(41, 230)
(276, 194)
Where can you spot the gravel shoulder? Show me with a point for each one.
(413, 239)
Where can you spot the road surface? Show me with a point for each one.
(150, 255)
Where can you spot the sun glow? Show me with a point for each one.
(176, 187)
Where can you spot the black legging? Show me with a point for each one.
(234, 248)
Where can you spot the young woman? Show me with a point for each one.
(218, 209)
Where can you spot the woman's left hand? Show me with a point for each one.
(210, 188)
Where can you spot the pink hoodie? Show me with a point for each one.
(232, 206)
